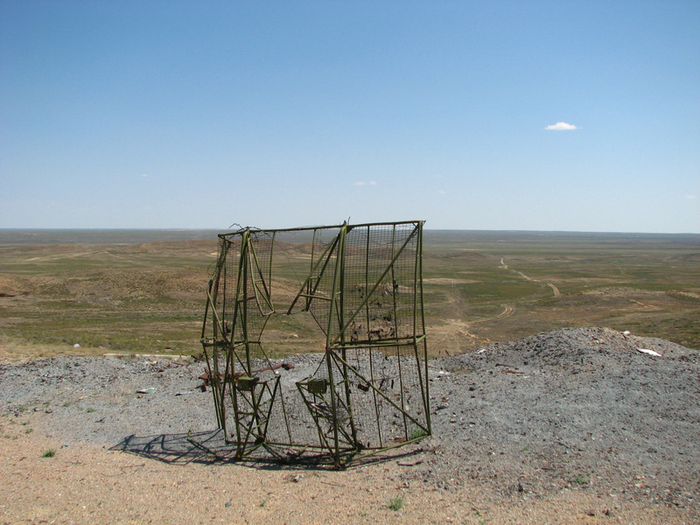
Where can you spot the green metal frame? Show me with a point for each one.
(364, 289)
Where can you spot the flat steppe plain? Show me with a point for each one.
(539, 416)
(143, 291)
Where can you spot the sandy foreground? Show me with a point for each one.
(85, 483)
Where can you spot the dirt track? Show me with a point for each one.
(572, 426)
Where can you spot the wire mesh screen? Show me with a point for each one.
(359, 289)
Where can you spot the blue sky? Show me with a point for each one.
(278, 114)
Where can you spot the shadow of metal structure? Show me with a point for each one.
(199, 447)
(210, 447)
(360, 286)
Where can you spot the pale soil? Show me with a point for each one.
(91, 484)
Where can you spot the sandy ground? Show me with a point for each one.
(92, 484)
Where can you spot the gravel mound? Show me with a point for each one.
(569, 409)
(573, 409)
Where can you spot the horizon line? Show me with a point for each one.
(503, 230)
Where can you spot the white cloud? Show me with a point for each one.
(561, 126)
(372, 183)
(691, 197)
(359, 183)
(144, 175)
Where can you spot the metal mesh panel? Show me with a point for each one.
(361, 285)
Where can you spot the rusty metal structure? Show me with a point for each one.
(358, 288)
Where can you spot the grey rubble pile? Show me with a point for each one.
(572, 409)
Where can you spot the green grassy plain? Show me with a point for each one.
(508, 285)
(143, 291)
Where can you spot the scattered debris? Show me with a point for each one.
(175, 359)
(649, 352)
